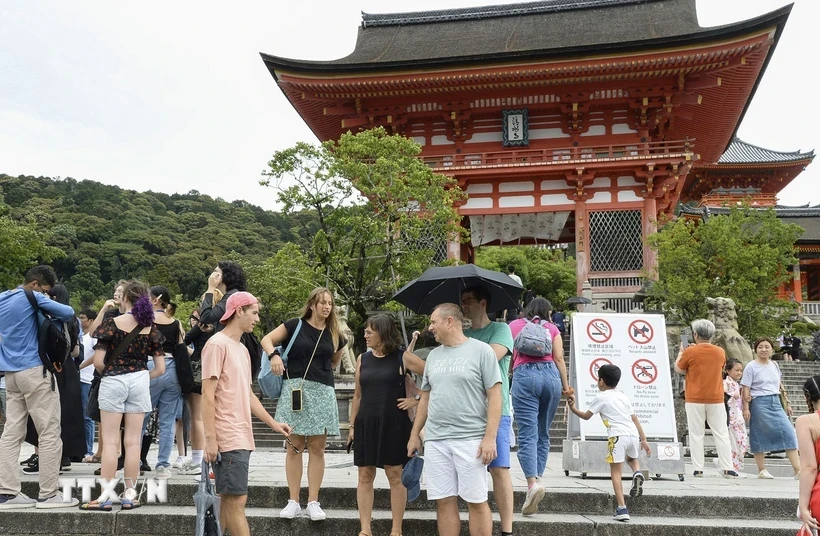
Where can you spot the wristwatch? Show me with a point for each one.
(417, 397)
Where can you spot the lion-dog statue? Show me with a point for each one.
(722, 313)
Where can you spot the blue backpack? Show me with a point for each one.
(270, 383)
(534, 340)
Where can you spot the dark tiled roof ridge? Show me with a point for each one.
(803, 211)
(741, 152)
(488, 12)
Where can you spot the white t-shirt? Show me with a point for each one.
(87, 374)
(515, 278)
(762, 380)
(615, 410)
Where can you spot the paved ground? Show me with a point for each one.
(267, 467)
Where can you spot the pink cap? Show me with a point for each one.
(235, 301)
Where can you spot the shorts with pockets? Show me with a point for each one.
(231, 472)
(452, 469)
(621, 447)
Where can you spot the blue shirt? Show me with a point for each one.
(18, 329)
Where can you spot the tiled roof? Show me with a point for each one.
(782, 211)
(740, 152)
(488, 12)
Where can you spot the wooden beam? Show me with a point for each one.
(339, 110)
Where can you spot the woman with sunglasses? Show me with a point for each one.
(379, 424)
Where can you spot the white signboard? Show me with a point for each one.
(635, 343)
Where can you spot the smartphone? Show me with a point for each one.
(349, 446)
(296, 400)
(684, 340)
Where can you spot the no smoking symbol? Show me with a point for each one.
(599, 330)
(641, 331)
(644, 371)
(597, 364)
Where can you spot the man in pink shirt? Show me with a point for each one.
(226, 409)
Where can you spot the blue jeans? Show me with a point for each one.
(167, 396)
(536, 391)
(85, 390)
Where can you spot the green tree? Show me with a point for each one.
(743, 255)
(375, 202)
(22, 246)
(86, 284)
(548, 272)
(282, 284)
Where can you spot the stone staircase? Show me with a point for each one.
(795, 374)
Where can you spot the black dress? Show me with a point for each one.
(381, 430)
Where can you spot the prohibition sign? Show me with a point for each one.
(599, 330)
(644, 371)
(597, 363)
(641, 331)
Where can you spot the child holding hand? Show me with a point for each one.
(626, 436)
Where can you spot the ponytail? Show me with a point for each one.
(812, 391)
(143, 311)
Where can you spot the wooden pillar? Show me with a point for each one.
(650, 227)
(581, 243)
(797, 284)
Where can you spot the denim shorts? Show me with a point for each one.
(231, 472)
(503, 440)
(126, 393)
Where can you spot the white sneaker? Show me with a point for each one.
(18, 501)
(292, 510)
(765, 474)
(163, 472)
(534, 496)
(190, 468)
(315, 511)
(180, 462)
(57, 501)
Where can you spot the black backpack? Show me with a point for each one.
(53, 341)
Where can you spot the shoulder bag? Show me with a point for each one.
(270, 383)
(93, 408)
(182, 362)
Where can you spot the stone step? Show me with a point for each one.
(683, 502)
(162, 520)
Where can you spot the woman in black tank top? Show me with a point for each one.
(379, 424)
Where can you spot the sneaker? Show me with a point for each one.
(637, 484)
(314, 511)
(698, 474)
(198, 478)
(621, 514)
(30, 460)
(15, 502)
(56, 501)
(163, 471)
(292, 510)
(180, 462)
(190, 468)
(730, 474)
(534, 496)
(144, 467)
(762, 474)
(32, 469)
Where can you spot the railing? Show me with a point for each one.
(605, 282)
(811, 308)
(623, 305)
(558, 156)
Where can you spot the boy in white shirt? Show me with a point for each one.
(626, 436)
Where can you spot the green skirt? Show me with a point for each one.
(320, 412)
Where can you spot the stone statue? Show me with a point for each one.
(723, 315)
(348, 364)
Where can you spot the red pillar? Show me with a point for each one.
(581, 244)
(650, 227)
(797, 285)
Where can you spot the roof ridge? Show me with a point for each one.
(487, 12)
(739, 141)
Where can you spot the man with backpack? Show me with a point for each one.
(30, 390)
(474, 302)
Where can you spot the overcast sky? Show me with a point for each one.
(173, 96)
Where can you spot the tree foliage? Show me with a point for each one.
(379, 209)
(546, 271)
(94, 235)
(743, 255)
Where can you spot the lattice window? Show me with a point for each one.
(615, 242)
(431, 239)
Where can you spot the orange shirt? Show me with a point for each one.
(229, 362)
(704, 365)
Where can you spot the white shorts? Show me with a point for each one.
(126, 393)
(452, 469)
(621, 447)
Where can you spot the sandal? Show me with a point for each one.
(129, 504)
(92, 459)
(97, 506)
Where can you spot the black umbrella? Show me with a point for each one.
(445, 284)
(579, 299)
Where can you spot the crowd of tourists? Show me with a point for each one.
(140, 376)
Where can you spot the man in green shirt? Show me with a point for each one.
(475, 302)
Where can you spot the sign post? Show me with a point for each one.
(635, 343)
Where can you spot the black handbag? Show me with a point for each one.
(182, 360)
(93, 407)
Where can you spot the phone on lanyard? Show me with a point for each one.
(296, 400)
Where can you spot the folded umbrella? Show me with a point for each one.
(207, 506)
(445, 284)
